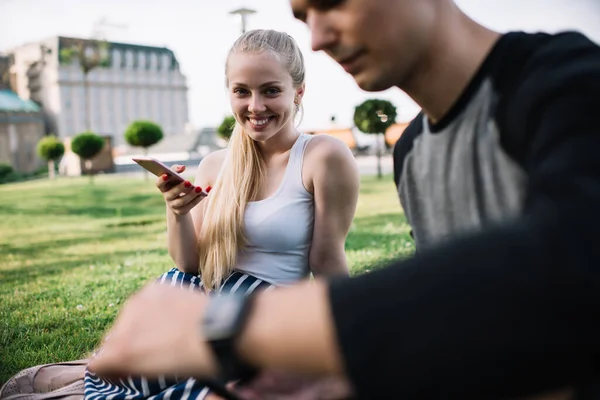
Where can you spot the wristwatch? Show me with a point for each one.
(223, 321)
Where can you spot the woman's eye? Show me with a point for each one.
(240, 91)
(272, 91)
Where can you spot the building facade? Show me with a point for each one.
(21, 128)
(131, 82)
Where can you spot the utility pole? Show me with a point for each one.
(99, 29)
(243, 12)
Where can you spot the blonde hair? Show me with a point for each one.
(243, 171)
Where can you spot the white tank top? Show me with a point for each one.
(279, 229)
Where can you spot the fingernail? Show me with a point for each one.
(165, 177)
(208, 189)
(198, 189)
(187, 184)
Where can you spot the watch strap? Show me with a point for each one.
(224, 319)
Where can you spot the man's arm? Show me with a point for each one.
(158, 333)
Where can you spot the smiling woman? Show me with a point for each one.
(265, 79)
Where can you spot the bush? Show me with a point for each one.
(374, 116)
(5, 170)
(143, 134)
(50, 148)
(226, 128)
(87, 145)
(9, 175)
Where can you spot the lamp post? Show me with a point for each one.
(380, 141)
(243, 13)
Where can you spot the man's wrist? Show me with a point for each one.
(250, 342)
(302, 341)
(222, 323)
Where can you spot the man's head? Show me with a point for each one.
(379, 42)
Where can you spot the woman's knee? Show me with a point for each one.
(175, 277)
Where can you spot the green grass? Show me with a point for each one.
(71, 253)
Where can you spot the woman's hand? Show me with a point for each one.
(182, 197)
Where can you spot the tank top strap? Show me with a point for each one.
(296, 160)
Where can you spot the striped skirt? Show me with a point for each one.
(184, 389)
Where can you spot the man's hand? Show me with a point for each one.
(157, 333)
(290, 329)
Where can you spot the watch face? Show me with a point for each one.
(221, 316)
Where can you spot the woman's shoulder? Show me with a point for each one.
(325, 149)
(211, 164)
(216, 157)
(325, 157)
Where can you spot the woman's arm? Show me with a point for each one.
(333, 172)
(184, 222)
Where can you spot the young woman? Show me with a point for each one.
(279, 206)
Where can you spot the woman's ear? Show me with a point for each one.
(299, 94)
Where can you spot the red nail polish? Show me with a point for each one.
(165, 177)
(198, 189)
(208, 189)
(187, 184)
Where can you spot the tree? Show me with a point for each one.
(226, 128)
(50, 148)
(375, 116)
(87, 145)
(143, 134)
(90, 54)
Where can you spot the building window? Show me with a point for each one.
(13, 139)
(129, 59)
(28, 153)
(141, 60)
(117, 61)
(158, 95)
(66, 94)
(166, 61)
(153, 61)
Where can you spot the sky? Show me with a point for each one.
(200, 32)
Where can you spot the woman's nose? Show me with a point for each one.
(256, 105)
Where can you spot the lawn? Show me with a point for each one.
(71, 253)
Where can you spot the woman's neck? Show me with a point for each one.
(280, 143)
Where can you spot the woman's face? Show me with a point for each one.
(262, 95)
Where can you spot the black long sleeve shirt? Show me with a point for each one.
(502, 297)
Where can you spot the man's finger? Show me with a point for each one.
(107, 361)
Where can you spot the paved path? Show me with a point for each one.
(367, 165)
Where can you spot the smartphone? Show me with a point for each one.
(158, 168)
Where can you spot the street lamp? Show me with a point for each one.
(243, 12)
